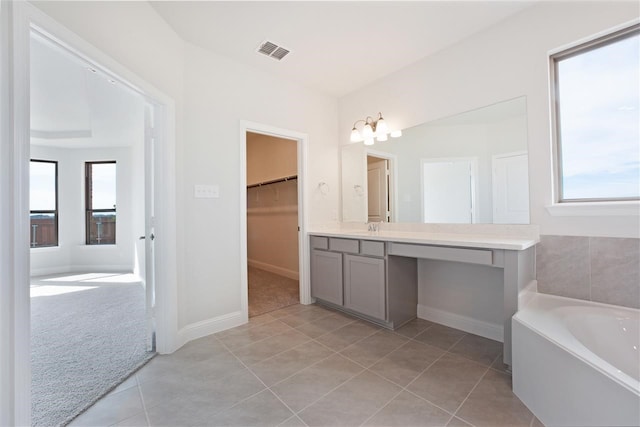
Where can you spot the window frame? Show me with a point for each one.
(88, 199)
(554, 58)
(55, 212)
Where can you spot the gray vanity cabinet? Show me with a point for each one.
(326, 276)
(357, 276)
(364, 285)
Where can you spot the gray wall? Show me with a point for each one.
(601, 269)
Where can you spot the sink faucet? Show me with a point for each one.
(373, 226)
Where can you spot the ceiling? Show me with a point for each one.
(336, 47)
(75, 106)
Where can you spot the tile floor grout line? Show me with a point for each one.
(329, 392)
(395, 331)
(289, 326)
(273, 336)
(303, 369)
(333, 353)
(355, 342)
(404, 388)
(278, 354)
(469, 394)
(379, 359)
(292, 416)
(381, 408)
(265, 338)
(266, 388)
(144, 405)
(275, 394)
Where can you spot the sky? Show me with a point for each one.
(600, 121)
(42, 193)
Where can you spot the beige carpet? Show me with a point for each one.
(269, 291)
(88, 334)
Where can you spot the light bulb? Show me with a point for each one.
(368, 141)
(367, 131)
(396, 134)
(381, 137)
(381, 127)
(355, 135)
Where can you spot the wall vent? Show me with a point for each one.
(272, 50)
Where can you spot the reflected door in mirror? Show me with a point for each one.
(377, 190)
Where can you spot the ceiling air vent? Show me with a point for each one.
(272, 50)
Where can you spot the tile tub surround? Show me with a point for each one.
(308, 365)
(600, 269)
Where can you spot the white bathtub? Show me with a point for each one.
(576, 363)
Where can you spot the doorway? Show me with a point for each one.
(272, 222)
(510, 175)
(381, 191)
(378, 191)
(448, 190)
(303, 240)
(19, 19)
(91, 236)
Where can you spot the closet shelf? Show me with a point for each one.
(273, 210)
(273, 181)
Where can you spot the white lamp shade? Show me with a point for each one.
(355, 135)
(381, 127)
(368, 141)
(396, 134)
(367, 131)
(381, 137)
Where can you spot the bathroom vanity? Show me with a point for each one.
(374, 275)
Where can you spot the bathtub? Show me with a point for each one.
(576, 363)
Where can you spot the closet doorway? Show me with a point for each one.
(272, 223)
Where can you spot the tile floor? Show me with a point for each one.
(307, 365)
(269, 291)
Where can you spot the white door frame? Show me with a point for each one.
(18, 19)
(303, 240)
(392, 161)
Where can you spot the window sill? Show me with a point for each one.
(45, 248)
(631, 208)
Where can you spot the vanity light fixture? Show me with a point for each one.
(373, 128)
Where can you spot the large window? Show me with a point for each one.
(100, 199)
(596, 89)
(43, 203)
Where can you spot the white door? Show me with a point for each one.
(377, 190)
(447, 189)
(511, 189)
(148, 271)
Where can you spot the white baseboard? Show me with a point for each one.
(210, 326)
(83, 268)
(35, 272)
(274, 269)
(464, 323)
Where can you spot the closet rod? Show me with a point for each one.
(273, 181)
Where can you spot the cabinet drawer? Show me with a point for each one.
(344, 245)
(319, 242)
(369, 247)
(473, 256)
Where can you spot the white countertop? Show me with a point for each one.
(430, 238)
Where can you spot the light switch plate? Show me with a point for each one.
(206, 191)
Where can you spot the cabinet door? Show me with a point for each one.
(326, 276)
(364, 285)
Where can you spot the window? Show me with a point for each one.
(100, 189)
(43, 203)
(596, 89)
